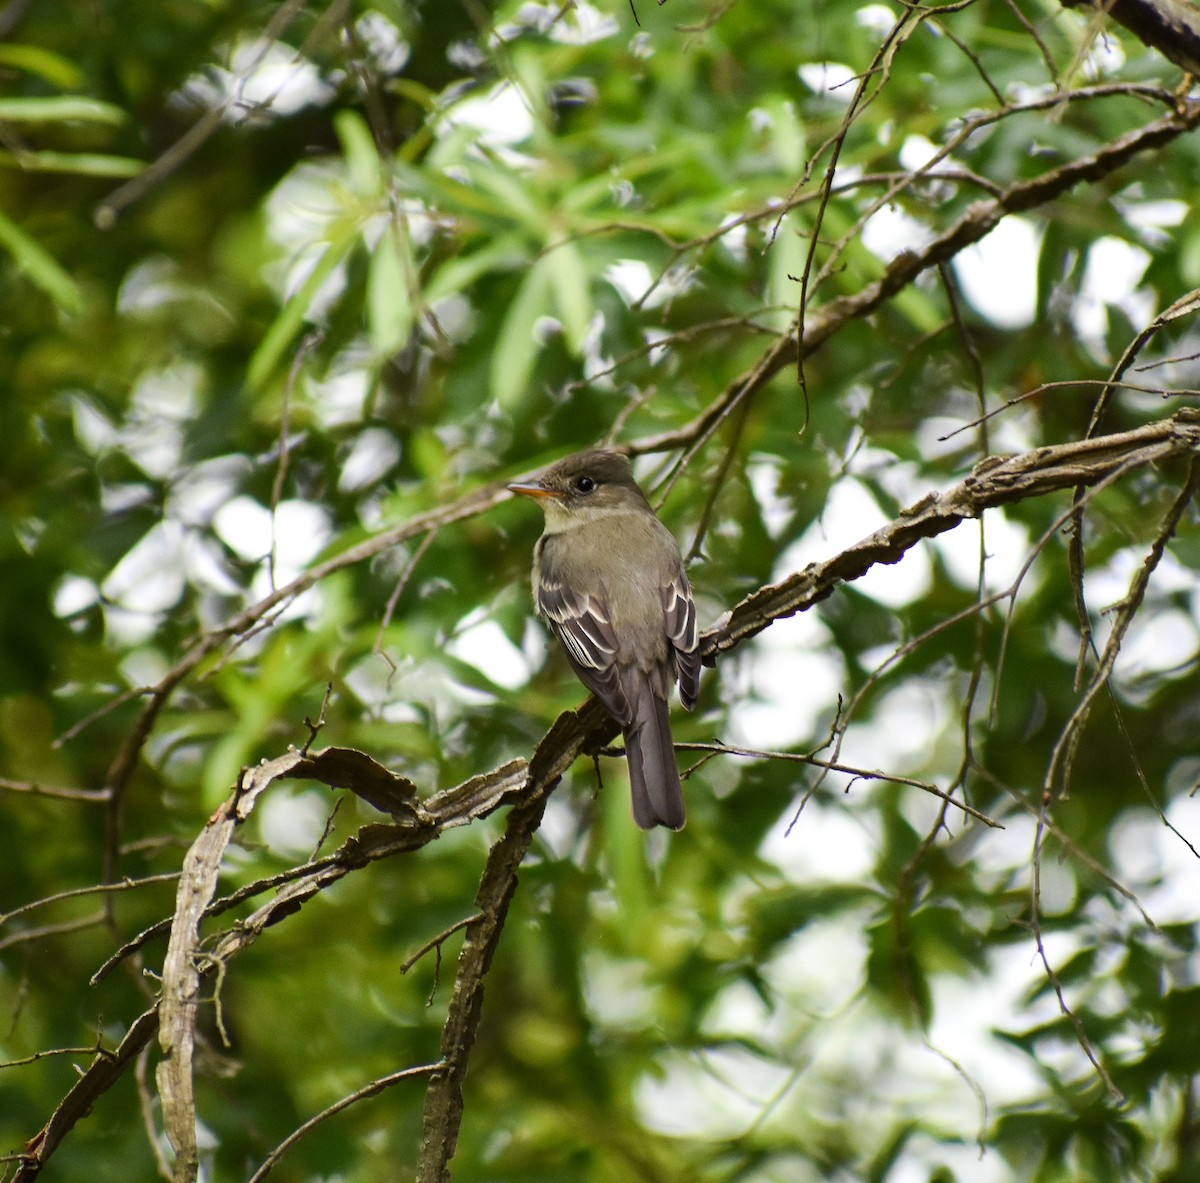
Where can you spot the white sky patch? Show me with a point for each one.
(916, 151)
(903, 728)
(630, 277)
(245, 527)
(149, 578)
(733, 236)
(1110, 280)
(832, 78)
(1156, 864)
(500, 115)
(795, 675)
(656, 339)
(304, 203)
(265, 75)
(1107, 585)
(371, 681)
(900, 583)
(340, 398)
(1151, 219)
(301, 529)
(204, 487)
(208, 569)
(597, 367)
(850, 514)
(876, 17)
(1157, 642)
(157, 281)
(1010, 432)
(147, 581)
(899, 478)
(300, 210)
(93, 429)
(1006, 544)
(1104, 57)
(889, 231)
(580, 24)
(830, 843)
(930, 443)
(776, 511)
(480, 642)
(615, 989)
(820, 967)
(714, 1094)
(998, 274)
(383, 41)
(965, 1010)
(291, 823)
(163, 403)
(738, 1010)
(373, 452)
(74, 594)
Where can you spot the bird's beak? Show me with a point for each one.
(532, 489)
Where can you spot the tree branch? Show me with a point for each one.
(1170, 26)
(994, 482)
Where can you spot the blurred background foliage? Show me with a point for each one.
(277, 275)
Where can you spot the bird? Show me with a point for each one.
(609, 581)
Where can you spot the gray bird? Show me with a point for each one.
(609, 581)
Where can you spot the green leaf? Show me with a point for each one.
(60, 109)
(287, 324)
(516, 195)
(35, 59)
(84, 164)
(895, 973)
(787, 254)
(515, 350)
(40, 266)
(359, 152)
(455, 275)
(391, 291)
(572, 297)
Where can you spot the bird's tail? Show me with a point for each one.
(653, 773)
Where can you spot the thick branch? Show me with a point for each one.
(994, 482)
(1170, 26)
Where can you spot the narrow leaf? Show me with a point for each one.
(292, 315)
(568, 275)
(516, 351)
(391, 291)
(40, 266)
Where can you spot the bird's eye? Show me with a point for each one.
(585, 484)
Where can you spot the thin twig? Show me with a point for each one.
(366, 1092)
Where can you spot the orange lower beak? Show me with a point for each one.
(531, 489)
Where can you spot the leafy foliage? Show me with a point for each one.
(291, 291)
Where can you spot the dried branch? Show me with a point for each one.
(848, 770)
(1170, 26)
(998, 481)
(444, 1099)
(367, 1091)
(105, 1070)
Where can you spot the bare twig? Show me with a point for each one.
(367, 1091)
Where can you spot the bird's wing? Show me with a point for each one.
(582, 624)
(679, 623)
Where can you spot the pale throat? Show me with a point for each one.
(561, 520)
